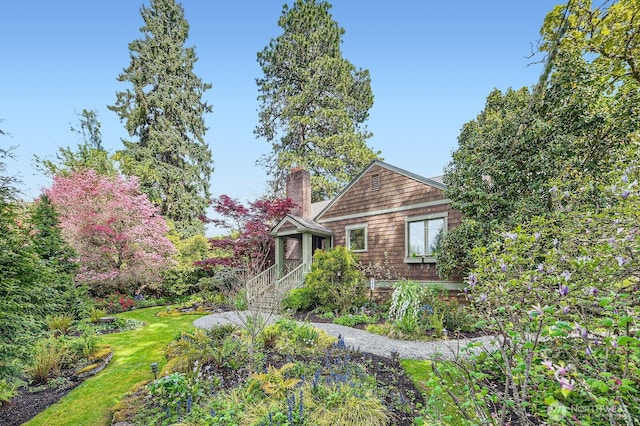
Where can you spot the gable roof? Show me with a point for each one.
(435, 182)
(296, 225)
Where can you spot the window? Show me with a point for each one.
(356, 237)
(423, 236)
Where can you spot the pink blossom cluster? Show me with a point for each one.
(115, 229)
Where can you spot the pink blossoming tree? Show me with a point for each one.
(117, 232)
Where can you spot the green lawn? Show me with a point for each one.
(134, 351)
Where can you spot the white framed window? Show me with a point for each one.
(423, 235)
(356, 237)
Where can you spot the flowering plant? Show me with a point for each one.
(562, 292)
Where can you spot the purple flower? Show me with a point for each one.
(510, 236)
(625, 178)
(473, 280)
(566, 383)
(503, 267)
(625, 194)
(566, 310)
(540, 267)
(537, 236)
(483, 298)
(564, 290)
(566, 275)
(621, 260)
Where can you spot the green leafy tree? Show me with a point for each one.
(576, 122)
(89, 154)
(165, 112)
(562, 293)
(313, 102)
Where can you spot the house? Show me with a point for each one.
(391, 218)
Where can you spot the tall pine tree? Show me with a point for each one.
(313, 102)
(165, 112)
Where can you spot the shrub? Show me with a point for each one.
(96, 314)
(334, 282)
(86, 342)
(352, 320)
(380, 329)
(299, 299)
(7, 391)
(50, 356)
(115, 303)
(292, 338)
(59, 324)
(405, 305)
(174, 392)
(438, 313)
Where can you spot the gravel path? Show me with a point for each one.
(362, 340)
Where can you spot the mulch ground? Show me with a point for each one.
(31, 401)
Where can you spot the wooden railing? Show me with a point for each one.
(290, 281)
(264, 278)
(267, 289)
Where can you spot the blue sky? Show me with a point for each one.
(432, 64)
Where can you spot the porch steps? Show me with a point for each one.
(266, 291)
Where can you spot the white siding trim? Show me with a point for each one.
(385, 211)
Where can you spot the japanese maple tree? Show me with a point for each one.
(117, 232)
(248, 244)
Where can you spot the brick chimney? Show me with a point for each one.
(299, 190)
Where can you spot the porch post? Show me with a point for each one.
(279, 254)
(307, 249)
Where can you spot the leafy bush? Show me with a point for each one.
(291, 338)
(405, 305)
(86, 342)
(115, 303)
(175, 393)
(7, 391)
(384, 329)
(299, 299)
(59, 324)
(438, 313)
(96, 314)
(352, 320)
(335, 283)
(50, 356)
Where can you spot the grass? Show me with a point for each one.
(133, 352)
(420, 372)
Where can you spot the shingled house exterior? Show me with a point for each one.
(386, 215)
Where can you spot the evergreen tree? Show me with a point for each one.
(58, 257)
(313, 102)
(164, 111)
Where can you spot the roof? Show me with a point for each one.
(301, 226)
(435, 182)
